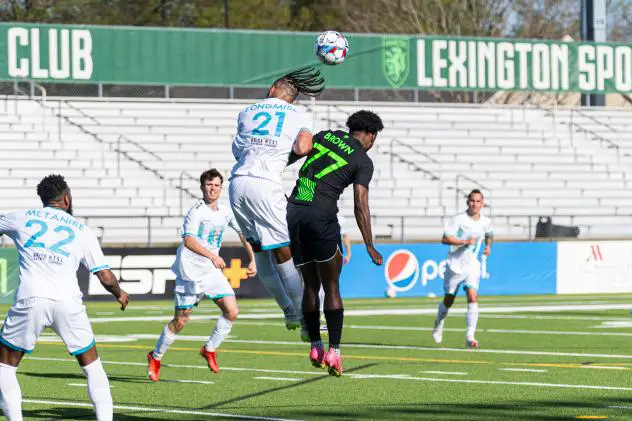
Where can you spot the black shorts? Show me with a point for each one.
(314, 234)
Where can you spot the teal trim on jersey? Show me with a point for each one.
(13, 347)
(185, 307)
(217, 297)
(82, 350)
(98, 268)
(275, 246)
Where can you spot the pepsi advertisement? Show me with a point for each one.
(417, 270)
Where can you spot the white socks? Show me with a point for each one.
(99, 390)
(164, 342)
(293, 283)
(271, 280)
(471, 317)
(221, 331)
(442, 313)
(10, 393)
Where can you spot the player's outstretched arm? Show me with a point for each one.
(303, 143)
(363, 218)
(111, 284)
(489, 239)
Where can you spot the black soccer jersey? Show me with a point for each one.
(336, 161)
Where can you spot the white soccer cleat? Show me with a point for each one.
(471, 343)
(437, 334)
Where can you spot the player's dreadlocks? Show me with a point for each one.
(365, 121)
(305, 80)
(52, 187)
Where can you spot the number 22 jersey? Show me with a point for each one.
(51, 244)
(336, 160)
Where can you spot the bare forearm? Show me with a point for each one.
(363, 218)
(453, 241)
(248, 247)
(109, 282)
(192, 244)
(489, 241)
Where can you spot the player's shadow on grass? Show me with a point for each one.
(85, 414)
(80, 377)
(281, 388)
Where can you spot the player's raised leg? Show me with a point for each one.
(169, 332)
(291, 279)
(228, 305)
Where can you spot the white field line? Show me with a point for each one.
(386, 312)
(79, 384)
(526, 370)
(187, 381)
(375, 376)
(418, 348)
(618, 324)
(281, 379)
(451, 373)
(158, 409)
(603, 367)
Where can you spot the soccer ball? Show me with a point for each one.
(390, 292)
(331, 47)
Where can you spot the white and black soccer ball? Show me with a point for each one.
(390, 292)
(331, 47)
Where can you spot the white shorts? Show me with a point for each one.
(452, 281)
(188, 294)
(28, 318)
(259, 206)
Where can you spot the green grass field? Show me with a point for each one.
(543, 358)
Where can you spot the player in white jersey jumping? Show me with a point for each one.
(199, 273)
(464, 234)
(51, 244)
(268, 132)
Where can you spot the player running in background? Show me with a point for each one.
(199, 273)
(266, 135)
(464, 234)
(51, 244)
(338, 159)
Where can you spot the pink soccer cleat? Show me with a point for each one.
(317, 357)
(471, 343)
(153, 369)
(333, 362)
(210, 359)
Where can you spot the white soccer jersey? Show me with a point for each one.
(51, 244)
(266, 132)
(463, 259)
(207, 226)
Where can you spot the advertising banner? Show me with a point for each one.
(415, 270)
(8, 275)
(133, 55)
(145, 273)
(594, 267)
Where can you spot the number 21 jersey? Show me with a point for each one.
(336, 161)
(266, 132)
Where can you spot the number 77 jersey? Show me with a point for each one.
(336, 161)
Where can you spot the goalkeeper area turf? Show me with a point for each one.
(541, 358)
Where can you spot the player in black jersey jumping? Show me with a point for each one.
(337, 159)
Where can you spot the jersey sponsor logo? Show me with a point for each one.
(401, 270)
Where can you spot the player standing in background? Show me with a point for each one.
(51, 244)
(464, 234)
(266, 135)
(337, 160)
(198, 268)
